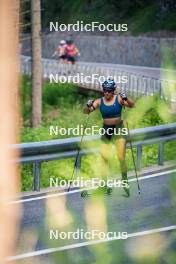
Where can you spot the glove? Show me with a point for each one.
(90, 103)
(123, 95)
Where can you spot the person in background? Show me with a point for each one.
(71, 52)
(61, 52)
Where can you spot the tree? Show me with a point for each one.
(36, 64)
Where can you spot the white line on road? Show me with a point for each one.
(150, 176)
(88, 243)
(80, 190)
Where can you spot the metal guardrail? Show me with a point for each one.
(38, 152)
(136, 84)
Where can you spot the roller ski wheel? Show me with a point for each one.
(127, 192)
(108, 190)
(85, 194)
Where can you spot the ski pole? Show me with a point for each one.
(131, 147)
(77, 155)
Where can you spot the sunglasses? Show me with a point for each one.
(107, 91)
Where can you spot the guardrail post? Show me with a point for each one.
(36, 174)
(78, 166)
(139, 157)
(160, 89)
(137, 86)
(161, 153)
(129, 83)
(151, 86)
(133, 83)
(145, 85)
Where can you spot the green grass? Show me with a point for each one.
(62, 106)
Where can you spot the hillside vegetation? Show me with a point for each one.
(140, 15)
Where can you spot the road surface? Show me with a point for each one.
(154, 211)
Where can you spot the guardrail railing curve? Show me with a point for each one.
(38, 152)
(136, 84)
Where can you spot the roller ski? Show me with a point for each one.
(101, 190)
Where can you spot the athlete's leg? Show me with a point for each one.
(121, 153)
(73, 60)
(104, 170)
(105, 150)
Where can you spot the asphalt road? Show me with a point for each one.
(153, 209)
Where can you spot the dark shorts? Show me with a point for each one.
(63, 57)
(113, 132)
(70, 58)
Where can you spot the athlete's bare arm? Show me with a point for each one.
(95, 105)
